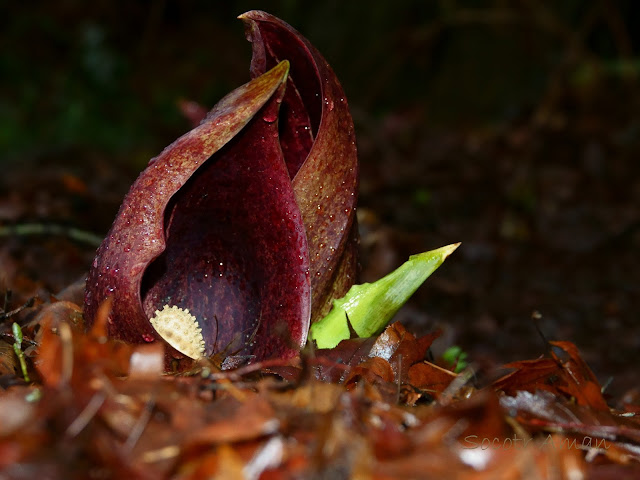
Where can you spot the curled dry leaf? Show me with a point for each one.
(565, 374)
(8, 359)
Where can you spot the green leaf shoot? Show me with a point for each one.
(370, 306)
(455, 357)
(17, 349)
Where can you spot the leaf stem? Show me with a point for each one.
(28, 229)
(17, 348)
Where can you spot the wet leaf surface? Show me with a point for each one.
(103, 406)
(375, 405)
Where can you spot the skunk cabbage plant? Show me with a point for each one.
(242, 231)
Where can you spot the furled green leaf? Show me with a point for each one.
(370, 306)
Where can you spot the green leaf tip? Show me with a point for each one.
(456, 357)
(370, 306)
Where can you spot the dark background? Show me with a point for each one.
(511, 126)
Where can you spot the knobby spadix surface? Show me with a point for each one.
(212, 225)
(318, 142)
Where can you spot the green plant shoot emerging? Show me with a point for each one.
(370, 306)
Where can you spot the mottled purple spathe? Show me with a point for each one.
(248, 219)
(325, 171)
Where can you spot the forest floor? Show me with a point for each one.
(548, 212)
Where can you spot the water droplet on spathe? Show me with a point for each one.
(270, 117)
(329, 103)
